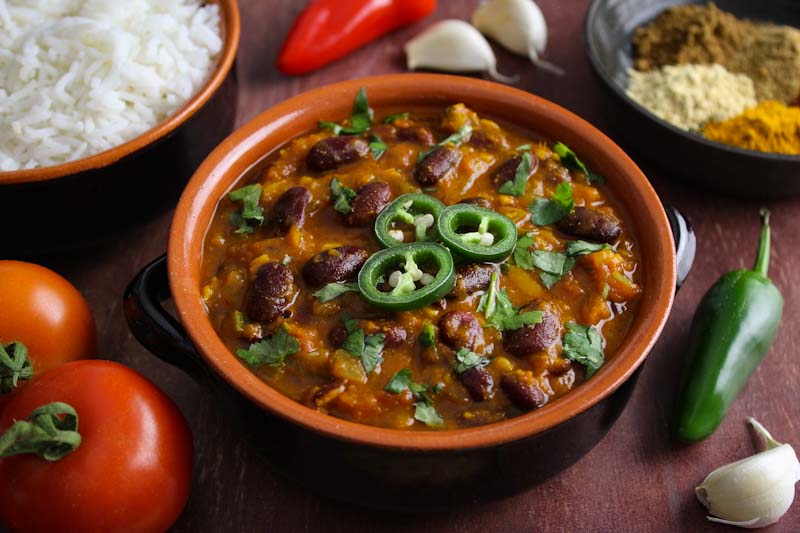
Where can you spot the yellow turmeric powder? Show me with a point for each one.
(769, 127)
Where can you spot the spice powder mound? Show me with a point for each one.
(688, 96)
(768, 127)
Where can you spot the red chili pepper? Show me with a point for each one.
(329, 29)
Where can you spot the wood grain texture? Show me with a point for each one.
(636, 479)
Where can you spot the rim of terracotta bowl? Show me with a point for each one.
(231, 26)
(298, 115)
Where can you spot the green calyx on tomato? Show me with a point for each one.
(415, 210)
(409, 270)
(477, 233)
(14, 366)
(51, 432)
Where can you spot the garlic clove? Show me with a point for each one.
(519, 26)
(755, 491)
(453, 46)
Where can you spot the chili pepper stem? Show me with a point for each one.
(762, 259)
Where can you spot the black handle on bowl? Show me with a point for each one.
(154, 327)
(685, 243)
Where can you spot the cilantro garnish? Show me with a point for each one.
(516, 187)
(397, 116)
(584, 345)
(252, 213)
(424, 411)
(360, 118)
(377, 147)
(552, 264)
(524, 148)
(368, 348)
(271, 351)
(467, 360)
(546, 211)
(570, 160)
(455, 139)
(331, 291)
(427, 337)
(500, 313)
(341, 197)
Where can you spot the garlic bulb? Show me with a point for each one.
(453, 46)
(755, 491)
(518, 25)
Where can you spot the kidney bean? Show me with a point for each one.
(471, 277)
(479, 383)
(534, 337)
(478, 139)
(336, 264)
(588, 223)
(385, 132)
(508, 170)
(522, 389)
(331, 152)
(416, 134)
(460, 329)
(370, 200)
(325, 394)
(395, 334)
(290, 209)
(437, 165)
(270, 292)
(479, 201)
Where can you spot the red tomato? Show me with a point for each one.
(46, 313)
(131, 472)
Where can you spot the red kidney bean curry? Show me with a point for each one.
(423, 270)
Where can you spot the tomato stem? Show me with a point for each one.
(51, 432)
(14, 366)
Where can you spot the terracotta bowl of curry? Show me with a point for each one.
(88, 201)
(441, 293)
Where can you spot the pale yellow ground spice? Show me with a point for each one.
(769, 127)
(688, 96)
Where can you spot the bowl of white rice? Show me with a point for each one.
(106, 109)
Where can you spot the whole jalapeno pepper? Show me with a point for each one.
(477, 233)
(415, 210)
(417, 275)
(732, 330)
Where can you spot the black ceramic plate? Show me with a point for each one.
(609, 28)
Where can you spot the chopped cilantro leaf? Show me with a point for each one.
(341, 197)
(522, 254)
(580, 248)
(331, 291)
(428, 415)
(524, 148)
(438, 387)
(427, 337)
(584, 345)
(500, 313)
(424, 411)
(360, 117)
(377, 147)
(570, 160)
(251, 213)
(546, 211)
(397, 116)
(467, 359)
(552, 264)
(516, 187)
(271, 351)
(399, 382)
(368, 348)
(457, 138)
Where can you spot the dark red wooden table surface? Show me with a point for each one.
(636, 479)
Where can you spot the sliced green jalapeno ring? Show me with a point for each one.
(477, 233)
(416, 210)
(417, 275)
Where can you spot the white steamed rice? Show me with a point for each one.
(81, 76)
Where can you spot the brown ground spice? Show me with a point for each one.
(691, 33)
(695, 33)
